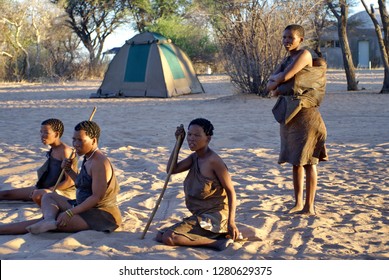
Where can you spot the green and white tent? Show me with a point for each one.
(149, 65)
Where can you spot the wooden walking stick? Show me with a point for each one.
(174, 160)
(71, 155)
(92, 114)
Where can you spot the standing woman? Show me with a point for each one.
(303, 137)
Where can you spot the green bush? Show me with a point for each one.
(193, 40)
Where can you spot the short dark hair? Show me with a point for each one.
(56, 125)
(91, 129)
(205, 124)
(296, 28)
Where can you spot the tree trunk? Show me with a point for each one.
(26, 60)
(381, 41)
(385, 42)
(348, 63)
(385, 85)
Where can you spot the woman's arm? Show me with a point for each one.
(224, 177)
(184, 164)
(70, 175)
(272, 84)
(304, 58)
(70, 166)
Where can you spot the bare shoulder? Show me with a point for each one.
(99, 164)
(67, 149)
(61, 152)
(101, 159)
(216, 160)
(306, 56)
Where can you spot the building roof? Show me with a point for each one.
(362, 20)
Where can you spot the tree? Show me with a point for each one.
(341, 14)
(321, 19)
(147, 13)
(93, 21)
(383, 40)
(63, 57)
(15, 38)
(178, 21)
(189, 37)
(29, 36)
(41, 18)
(141, 11)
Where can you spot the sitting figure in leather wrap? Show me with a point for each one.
(300, 86)
(209, 193)
(95, 206)
(51, 132)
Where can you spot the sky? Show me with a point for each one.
(118, 38)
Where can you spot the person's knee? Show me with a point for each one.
(158, 238)
(168, 238)
(5, 194)
(310, 166)
(37, 196)
(310, 169)
(47, 197)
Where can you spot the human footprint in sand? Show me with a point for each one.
(303, 137)
(97, 188)
(209, 194)
(51, 132)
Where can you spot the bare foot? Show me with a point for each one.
(295, 209)
(308, 212)
(42, 226)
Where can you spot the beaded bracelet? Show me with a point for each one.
(69, 213)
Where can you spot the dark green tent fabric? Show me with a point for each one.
(173, 62)
(137, 55)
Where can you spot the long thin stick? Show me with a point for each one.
(93, 113)
(174, 160)
(71, 155)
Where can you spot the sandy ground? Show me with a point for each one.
(138, 135)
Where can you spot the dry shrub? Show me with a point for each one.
(250, 38)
